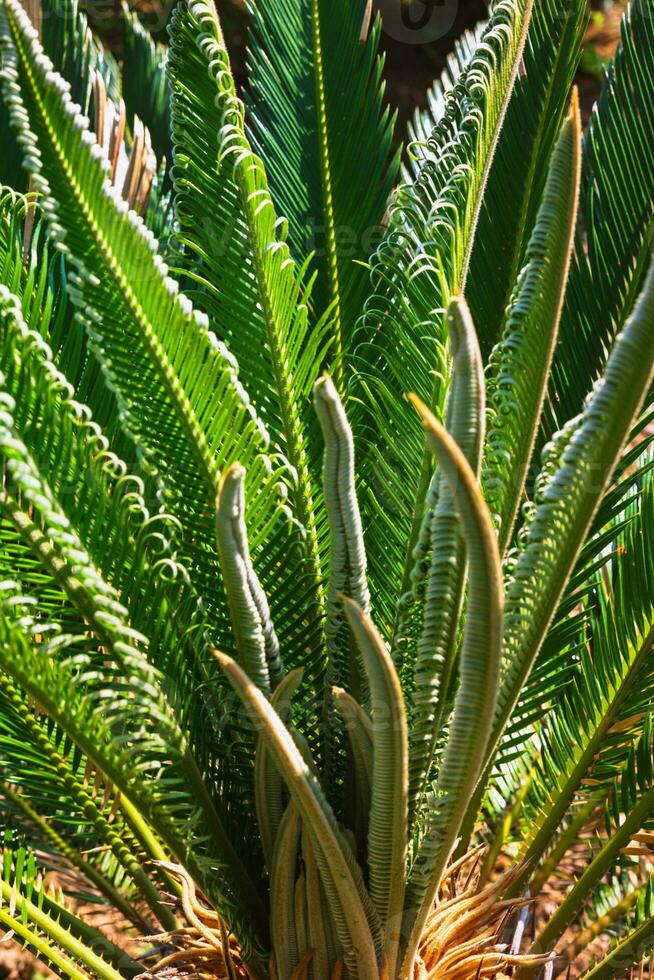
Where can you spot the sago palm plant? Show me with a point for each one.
(327, 501)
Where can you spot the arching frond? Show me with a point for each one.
(424, 260)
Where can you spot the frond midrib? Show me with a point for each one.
(327, 194)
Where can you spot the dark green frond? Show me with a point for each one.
(616, 215)
(145, 86)
(317, 118)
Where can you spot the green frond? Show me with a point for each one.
(520, 365)
(422, 262)
(144, 83)
(176, 387)
(105, 506)
(517, 178)
(629, 805)
(571, 485)
(42, 923)
(425, 641)
(589, 728)
(64, 799)
(424, 121)
(471, 722)
(133, 740)
(316, 116)
(616, 213)
(234, 249)
(634, 941)
(555, 667)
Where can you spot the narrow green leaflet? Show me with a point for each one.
(317, 118)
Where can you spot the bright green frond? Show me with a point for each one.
(634, 942)
(237, 267)
(630, 803)
(571, 485)
(424, 121)
(40, 921)
(176, 385)
(131, 547)
(422, 262)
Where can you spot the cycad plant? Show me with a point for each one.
(327, 501)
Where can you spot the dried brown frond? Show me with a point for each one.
(463, 939)
(203, 948)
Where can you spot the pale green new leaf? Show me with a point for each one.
(520, 366)
(472, 718)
